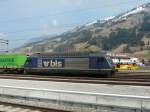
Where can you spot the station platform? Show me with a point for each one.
(80, 97)
(77, 87)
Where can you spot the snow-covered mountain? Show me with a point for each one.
(127, 32)
(122, 16)
(131, 12)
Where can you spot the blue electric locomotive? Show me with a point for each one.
(72, 63)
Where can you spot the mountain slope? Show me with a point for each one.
(127, 32)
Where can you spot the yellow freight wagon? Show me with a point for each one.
(126, 66)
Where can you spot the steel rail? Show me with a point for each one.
(113, 81)
(32, 108)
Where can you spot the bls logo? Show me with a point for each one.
(53, 63)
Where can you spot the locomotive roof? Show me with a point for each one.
(70, 54)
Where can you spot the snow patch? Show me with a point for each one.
(91, 23)
(100, 21)
(109, 18)
(137, 10)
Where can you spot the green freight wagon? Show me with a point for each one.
(12, 62)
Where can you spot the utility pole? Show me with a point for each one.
(4, 46)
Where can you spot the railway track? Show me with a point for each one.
(9, 107)
(119, 79)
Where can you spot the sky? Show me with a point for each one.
(24, 20)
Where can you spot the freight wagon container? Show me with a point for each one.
(12, 62)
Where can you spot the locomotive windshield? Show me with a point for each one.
(110, 60)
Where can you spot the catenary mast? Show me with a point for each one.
(4, 46)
